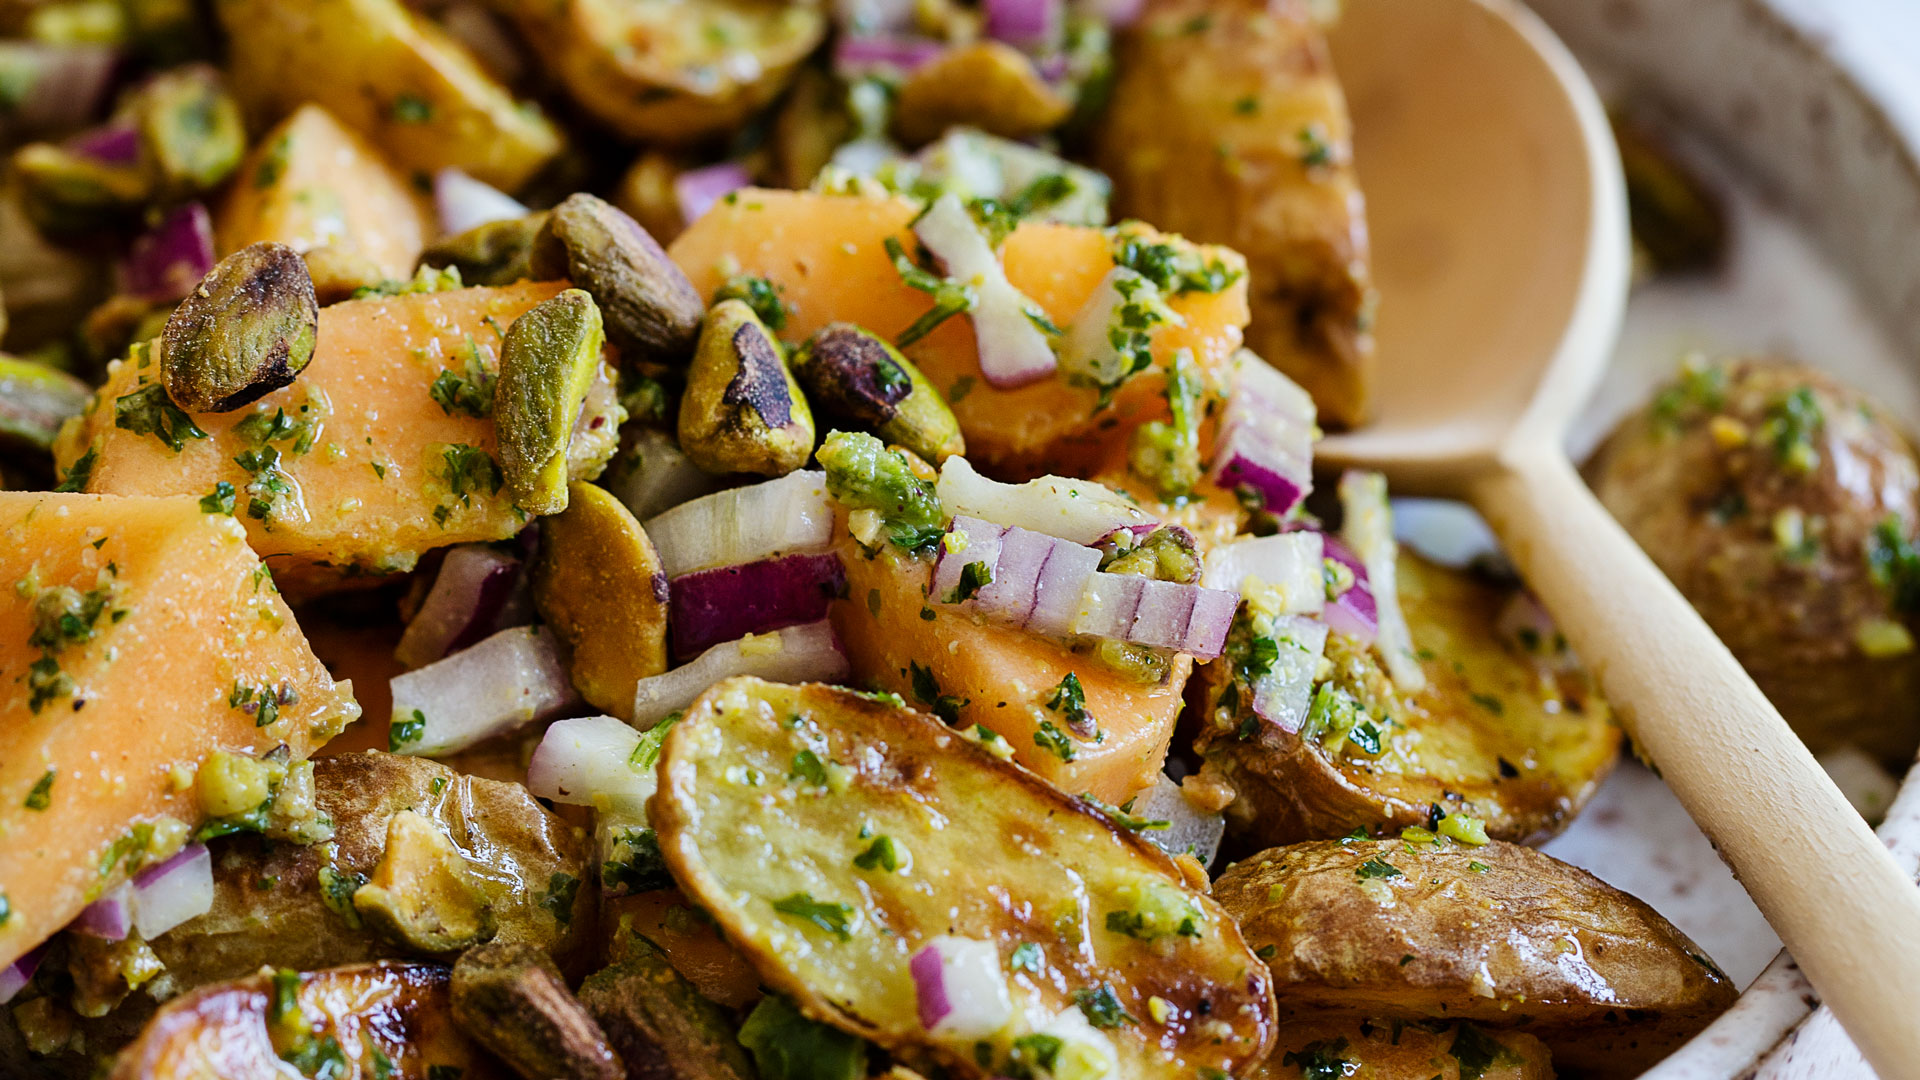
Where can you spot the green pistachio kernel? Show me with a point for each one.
(65, 193)
(651, 309)
(496, 253)
(743, 411)
(190, 130)
(247, 330)
(35, 400)
(547, 365)
(855, 375)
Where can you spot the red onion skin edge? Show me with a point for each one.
(108, 145)
(903, 54)
(930, 986)
(712, 607)
(698, 189)
(108, 918)
(167, 261)
(1280, 492)
(15, 977)
(495, 590)
(153, 873)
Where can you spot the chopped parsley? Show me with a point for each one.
(405, 733)
(1102, 1008)
(269, 483)
(1069, 701)
(926, 690)
(76, 476)
(1319, 1060)
(949, 298)
(1376, 868)
(336, 893)
(1476, 1051)
(835, 919)
(469, 391)
(863, 474)
(1172, 269)
(219, 500)
(882, 854)
(1033, 1054)
(635, 863)
(974, 576)
(1793, 423)
(1894, 564)
(412, 109)
(42, 794)
(149, 411)
(562, 888)
(1315, 151)
(759, 294)
(470, 469)
(1026, 956)
(1050, 738)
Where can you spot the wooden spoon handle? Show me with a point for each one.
(1836, 896)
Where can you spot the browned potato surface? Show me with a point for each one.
(771, 800)
(387, 1021)
(1783, 505)
(1515, 736)
(1397, 1050)
(1228, 126)
(1500, 935)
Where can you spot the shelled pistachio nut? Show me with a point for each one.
(855, 375)
(742, 411)
(35, 400)
(547, 364)
(652, 312)
(494, 253)
(191, 134)
(247, 330)
(67, 193)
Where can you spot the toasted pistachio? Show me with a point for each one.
(858, 376)
(743, 412)
(547, 363)
(512, 1000)
(496, 253)
(988, 84)
(247, 330)
(65, 193)
(599, 584)
(651, 309)
(422, 894)
(658, 1022)
(190, 130)
(35, 400)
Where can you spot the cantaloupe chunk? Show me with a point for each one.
(182, 613)
(827, 256)
(382, 479)
(318, 188)
(1002, 677)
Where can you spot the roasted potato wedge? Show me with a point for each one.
(1397, 1050)
(660, 1024)
(1513, 735)
(832, 835)
(670, 71)
(1228, 126)
(1780, 502)
(1499, 934)
(390, 74)
(386, 1021)
(511, 1000)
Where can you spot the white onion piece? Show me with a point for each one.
(1089, 1049)
(745, 524)
(969, 540)
(807, 653)
(588, 761)
(1367, 527)
(1107, 605)
(1284, 694)
(1087, 347)
(653, 476)
(1080, 511)
(1012, 350)
(959, 988)
(467, 598)
(508, 680)
(1288, 566)
(460, 202)
(169, 894)
(1189, 830)
(15, 976)
(109, 917)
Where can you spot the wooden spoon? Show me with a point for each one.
(1500, 237)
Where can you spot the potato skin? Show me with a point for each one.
(1703, 502)
(1388, 1050)
(1517, 738)
(1529, 944)
(1227, 125)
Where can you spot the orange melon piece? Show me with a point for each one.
(318, 188)
(1003, 677)
(121, 720)
(826, 254)
(378, 485)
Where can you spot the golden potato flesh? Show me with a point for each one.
(1228, 126)
(833, 837)
(387, 1021)
(1783, 505)
(1397, 1050)
(1508, 728)
(1500, 935)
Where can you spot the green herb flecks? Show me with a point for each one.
(75, 478)
(1319, 1060)
(949, 298)
(635, 865)
(42, 794)
(1376, 868)
(468, 391)
(926, 690)
(882, 854)
(1102, 1008)
(149, 411)
(835, 919)
(404, 733)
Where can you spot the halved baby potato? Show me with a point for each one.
(1500, 935)
(385, 1021)
(833, 836)
(1397, 1050)
(1508, 729)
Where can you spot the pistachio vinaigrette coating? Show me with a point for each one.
(547, 364)
(246, 331)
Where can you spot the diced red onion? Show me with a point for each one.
(468, 598)
(1281, 475)
(810, 652)
(745, 524)
(708, 607)
(1189, 830)
(1079, 511)
(959, 988)
(857, 55)
(1108, 604)
(856, 18)
(1118, 13)
(1010, 596)
(107, 145)
(975, 541)
(1283, 695)
(1052, 69)
(60, 87)
(508, 680)
(587, 761)
(1026, 23)
(655, 476)
(15, 976)
(176, 890)
(1266, 436)
(460, 202)
(696, 190)
(167, 261)
(1012, 350)
(109, 917)
(1366, 525)
(1353, 612)
(1287, 564)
